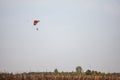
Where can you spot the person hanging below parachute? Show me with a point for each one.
(35, 23)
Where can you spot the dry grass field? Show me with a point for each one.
(51, 76)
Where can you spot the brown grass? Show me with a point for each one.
(43, 76)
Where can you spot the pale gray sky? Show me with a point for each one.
(71, 33)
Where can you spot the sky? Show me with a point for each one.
(71, 33)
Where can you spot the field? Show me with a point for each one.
(52, 76)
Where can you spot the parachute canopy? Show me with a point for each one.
(36, 22)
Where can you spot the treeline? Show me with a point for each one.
(80, 71)
(78, 74)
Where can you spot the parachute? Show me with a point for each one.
(35, 23)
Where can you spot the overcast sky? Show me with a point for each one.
(71, 33)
